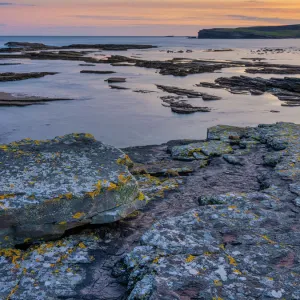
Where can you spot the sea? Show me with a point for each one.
(125, 118)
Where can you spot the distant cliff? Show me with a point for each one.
(262, 32)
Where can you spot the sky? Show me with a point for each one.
(140, 17)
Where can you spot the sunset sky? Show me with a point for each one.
(140, 17)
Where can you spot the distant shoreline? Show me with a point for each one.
(259, 32)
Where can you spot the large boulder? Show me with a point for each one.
(49, 187)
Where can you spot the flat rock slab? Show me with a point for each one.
(116, 87)
(23, 76)
(48, 187)
(115, 79)
(187, 93)
(7, 99)
(96, 72)
(285, 89)
(223, 251)
(212, 148)
(87, 65)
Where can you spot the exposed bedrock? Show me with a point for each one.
(223, 221)
(7, 99)
(23, 76)
(49, 187)
(285, 89)
(236, 245)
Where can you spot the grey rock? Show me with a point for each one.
(237, 245)
(115, 79)
(48, 187)
(233, 160)
(297, 201)
(23, 76)
(212, 148)
(96, 72)
(273, 158)
(286, 89)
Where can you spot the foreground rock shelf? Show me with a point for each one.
(236, 245)
(223, 222)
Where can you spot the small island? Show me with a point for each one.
(259, 32)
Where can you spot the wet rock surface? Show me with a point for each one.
(179, 104)
(96, 72)
(270, 70)
(116, 80)
(187, 93)
(285, 89)
(117, 87)
(23, 76)
(11, 100)
(222, 223)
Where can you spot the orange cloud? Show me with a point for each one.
(136, 17)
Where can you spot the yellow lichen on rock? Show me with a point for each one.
(190, 259)
(82, 245)
(89, 136)
(218, 282)
(13, 254)
(156, 260)
(78, 215)
(112, 186)
(13, 291)
(232, 261)
(125, 160)
(267, 239)
(141, 196)
(7, 196)
(69, 196)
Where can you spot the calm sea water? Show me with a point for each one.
(125, 118)
(158, 41)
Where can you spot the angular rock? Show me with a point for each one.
(211, 148)
(297, 201)
(233, 160)
(185, 108)
(48, 187)
(273, 158)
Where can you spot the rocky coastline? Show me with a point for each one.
(188, 219)
(194, 219)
